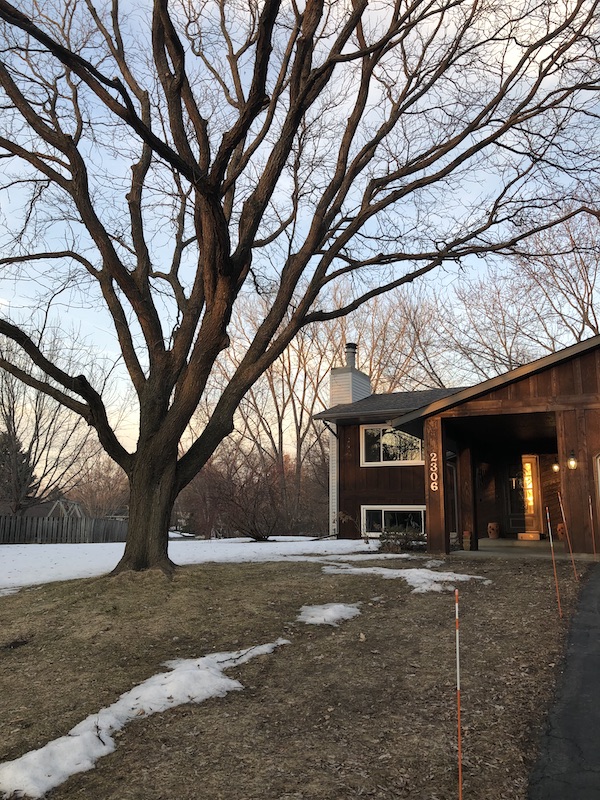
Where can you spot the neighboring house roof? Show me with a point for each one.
(383, 406)
(436, 405)
(47, 508)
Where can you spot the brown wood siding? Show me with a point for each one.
(550, 487)
(572, 384)
(374, 486)
(593, 444)
(542, 384)
(435, 489)
(592, 420)
(573, 484)
(589, 373)
(565, 379)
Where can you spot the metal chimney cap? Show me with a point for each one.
(350, 354)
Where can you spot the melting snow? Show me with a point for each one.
(422, 580)
(328, 614)
(190, 681)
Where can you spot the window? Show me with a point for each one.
(382, 445)
(398, 519)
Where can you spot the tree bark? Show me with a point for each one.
(153, 490)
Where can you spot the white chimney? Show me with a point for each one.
(348, 384)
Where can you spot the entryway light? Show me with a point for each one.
(572, 461)
(556, 467)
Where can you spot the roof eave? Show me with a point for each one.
(353, 416)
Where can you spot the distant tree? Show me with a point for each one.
(102, 487)
(18, 484)
(559, 276)
(234, 495)
(398, 340)
(275, 431)
(162, 166)
(56, 442)
(488, 326)
(198, 503)
(534, 303)
(251, 499)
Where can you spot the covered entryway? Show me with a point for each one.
(526, 446)
(505, 475)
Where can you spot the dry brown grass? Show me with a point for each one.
(367, 709)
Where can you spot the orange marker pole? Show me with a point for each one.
(553, 563)
(458, 697)
(564, 519)
(592, 526)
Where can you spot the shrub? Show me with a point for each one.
(401, 541)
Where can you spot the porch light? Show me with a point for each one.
(572, 461)
(556, 467)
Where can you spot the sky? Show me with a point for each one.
(190, 680)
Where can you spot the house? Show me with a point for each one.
(505, 456)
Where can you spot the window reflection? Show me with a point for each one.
(388, 445)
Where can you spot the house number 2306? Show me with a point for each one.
(433, 472)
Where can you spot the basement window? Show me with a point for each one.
(392, 519)
(382, 445)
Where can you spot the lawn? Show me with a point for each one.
(364, 709)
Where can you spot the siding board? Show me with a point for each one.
(589, 373)
(542, 384)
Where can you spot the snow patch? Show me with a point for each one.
(190, 681)
(33, 564)
(328, 614)
(422, 580)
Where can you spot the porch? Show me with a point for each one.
(508, 476)
(515, 549)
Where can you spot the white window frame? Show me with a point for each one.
(383, 508)
(365, 463)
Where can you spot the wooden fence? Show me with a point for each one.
(60, 530)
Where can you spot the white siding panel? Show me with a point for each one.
(347, 385)
(333, 483)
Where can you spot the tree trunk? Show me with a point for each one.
(153, 494)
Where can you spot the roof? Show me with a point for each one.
(383, 406)
(435, 406)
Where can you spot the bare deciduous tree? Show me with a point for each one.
(102, 487)
(55, 441)
(488, 325)
(164, 166)
(560, 275)
(274, 426)
(534, 303)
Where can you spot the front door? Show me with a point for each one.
(524, 512)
